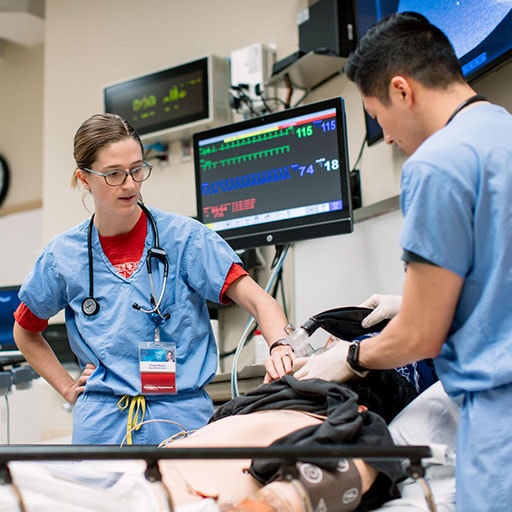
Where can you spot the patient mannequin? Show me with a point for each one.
(430, 419)
(193, 485)
(190, 482)
(285, 413)
(66, 485)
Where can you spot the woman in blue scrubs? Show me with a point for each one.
(134, 282)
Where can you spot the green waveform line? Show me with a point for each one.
(261, 137)
(208, 165)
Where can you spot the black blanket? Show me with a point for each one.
(346, 423)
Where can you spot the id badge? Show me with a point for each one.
(157, 365)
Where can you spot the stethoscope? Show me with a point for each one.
(466, 103)
(91, 306)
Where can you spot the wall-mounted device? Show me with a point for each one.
(277, 178)
(328, 25)
(480, 46)
(251, 67)
(368, 12)
(173, 103)
(326, 37)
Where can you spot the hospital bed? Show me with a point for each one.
(85, 479)
(91, 479)
(35, 477)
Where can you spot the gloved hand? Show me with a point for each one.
(328, 365)
(384, 307)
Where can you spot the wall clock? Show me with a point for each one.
(4, 179)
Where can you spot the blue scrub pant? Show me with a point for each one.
(98, 420)
(484, 452)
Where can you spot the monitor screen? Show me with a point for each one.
(275, 179)
(9, 301)
(160, 100)
(368, 12)
(479, 32)
(171, 103)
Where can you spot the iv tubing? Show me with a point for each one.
(251, 322)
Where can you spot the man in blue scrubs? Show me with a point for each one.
(456, 198)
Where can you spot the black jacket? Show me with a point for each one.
(384, 391)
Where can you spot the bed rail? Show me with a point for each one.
(152, 455)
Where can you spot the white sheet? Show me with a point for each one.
(431, 419)
(80, 487)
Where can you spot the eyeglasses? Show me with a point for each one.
(118, 177)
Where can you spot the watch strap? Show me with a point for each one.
(353, 360)
(279, 343)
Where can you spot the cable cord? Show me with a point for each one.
(358, 159)
(427, 493)
(139, 424)
(251, 322)
(6, 479)
(302, 98)
(7, 421)
(19, 497)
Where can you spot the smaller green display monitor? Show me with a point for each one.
(174, 102)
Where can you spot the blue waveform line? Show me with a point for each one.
(252, 179)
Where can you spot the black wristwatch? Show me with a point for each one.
(353, 359)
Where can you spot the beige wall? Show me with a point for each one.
(21, 120)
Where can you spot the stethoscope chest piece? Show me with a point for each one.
(90, 306)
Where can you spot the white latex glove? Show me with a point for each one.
(328, 365)
(384, 307)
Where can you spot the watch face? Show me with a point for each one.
(4, 179)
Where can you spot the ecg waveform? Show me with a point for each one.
(241, 141)
(252, 179)
(207, 165)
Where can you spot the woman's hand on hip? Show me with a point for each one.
(78, 387)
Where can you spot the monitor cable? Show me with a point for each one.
(7, 421)
(252, 322)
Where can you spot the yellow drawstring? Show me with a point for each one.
(137, 404)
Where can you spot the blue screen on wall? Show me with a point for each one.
(480, 33)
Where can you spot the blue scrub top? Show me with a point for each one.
(199, 261)
(456, 198)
